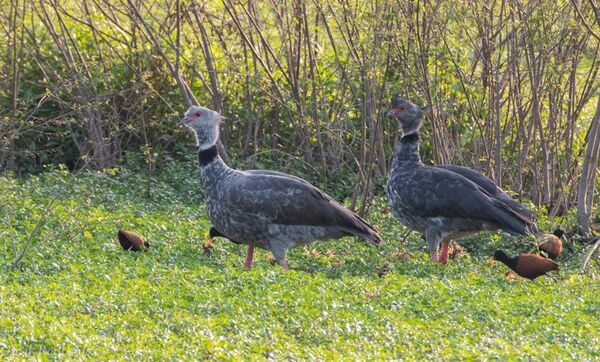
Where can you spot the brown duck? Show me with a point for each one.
(528, 266)
(130, 240)
(551, 244)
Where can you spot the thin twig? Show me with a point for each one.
(41, 220)
(587, 258)
(585, 23)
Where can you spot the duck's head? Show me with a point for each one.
(502, 257)
(559, 232)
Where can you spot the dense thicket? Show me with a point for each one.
(304, 85)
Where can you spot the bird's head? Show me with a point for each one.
(204, 123)
(498, 255)
(407, 114)
(558, 232)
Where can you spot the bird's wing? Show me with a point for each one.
(490, 187)
(475, 176)
(435, 192)
(532, 264)
(288, 200)
(280, 174)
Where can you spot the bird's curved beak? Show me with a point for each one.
(392, 113)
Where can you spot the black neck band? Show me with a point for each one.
(207, 156)
(410, 138)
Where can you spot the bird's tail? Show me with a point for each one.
(361, 228)
(512, 221)
(517, 207)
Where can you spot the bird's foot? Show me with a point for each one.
(284, 265)
(249, 257)
(443, 259)
(434, 257)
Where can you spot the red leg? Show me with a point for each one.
(249, 257)
(284, 265)
(434, 257)
(444, 255)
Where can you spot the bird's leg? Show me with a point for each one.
(284, 265)
(279, 251)
(249, 257)
(444, 255)
(434, 256)
(433, 238)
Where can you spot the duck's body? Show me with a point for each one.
(132, 241)
(445, 202)
(551, 244)
(271, 210)
(528, 266)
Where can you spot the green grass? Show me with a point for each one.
(78, 295)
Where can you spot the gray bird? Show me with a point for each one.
(445, 202)
(266, 209)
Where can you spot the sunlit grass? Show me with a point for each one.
(78, 295)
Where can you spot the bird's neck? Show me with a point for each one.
(508, 261)
(207, 155)
(213, 171)
(206, 137)
(407, 151)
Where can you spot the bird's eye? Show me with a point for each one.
(198, 114)
(401, 108)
